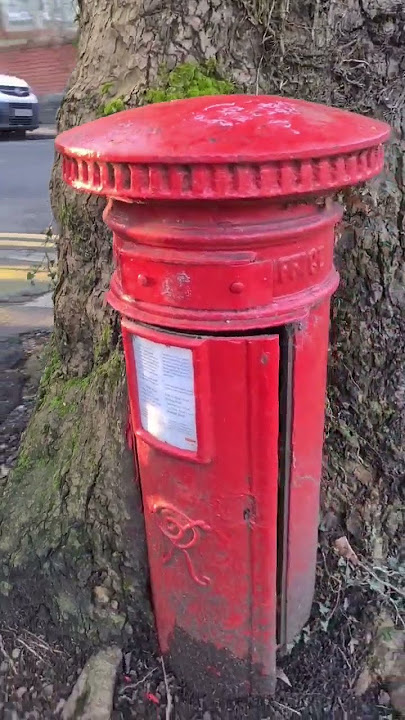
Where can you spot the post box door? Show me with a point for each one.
(206, 417)
(304, 352)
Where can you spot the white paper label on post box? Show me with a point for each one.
(165, 377)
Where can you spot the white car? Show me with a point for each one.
(19, 109)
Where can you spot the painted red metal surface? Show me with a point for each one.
(310, 351)
(186, 270)
(223, 147)
(211, 515)
(224, 273)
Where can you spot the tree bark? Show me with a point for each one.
(72, 538)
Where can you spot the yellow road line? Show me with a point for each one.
(11, 273)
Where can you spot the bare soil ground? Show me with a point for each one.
(322, 668)
(35, 676)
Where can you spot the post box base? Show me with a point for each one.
(216, 673)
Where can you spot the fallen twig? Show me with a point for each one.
(286, 707)
(396, 589)
(43, 644)
(169, 699)
(31, 650)
(131, 686)
(35, 639)
(7, 656)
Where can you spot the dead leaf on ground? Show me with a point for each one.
(363, 682)
(280, 675)
(345, 550)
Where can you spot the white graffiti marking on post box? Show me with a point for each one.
(183, 533)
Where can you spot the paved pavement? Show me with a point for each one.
(25, 168)
(18, 319)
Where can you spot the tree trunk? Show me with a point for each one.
(72, 537)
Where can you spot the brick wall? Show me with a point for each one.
(46, 69)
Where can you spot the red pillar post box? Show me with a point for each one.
(223, 245)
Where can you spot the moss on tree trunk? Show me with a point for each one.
(74, 533)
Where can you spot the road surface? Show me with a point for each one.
(25, 167)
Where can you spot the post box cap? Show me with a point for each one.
(223, 147)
